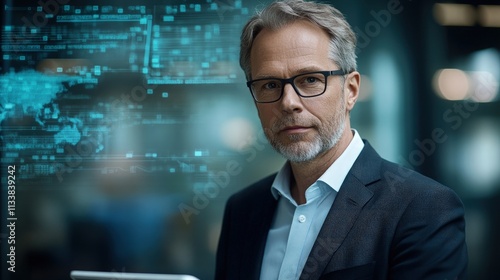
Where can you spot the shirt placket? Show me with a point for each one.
(299, 230)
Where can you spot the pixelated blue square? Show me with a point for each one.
(168, 18)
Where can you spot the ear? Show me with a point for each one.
(351, 89)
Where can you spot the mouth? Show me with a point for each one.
(295, 129)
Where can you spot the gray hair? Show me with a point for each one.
(281, 13)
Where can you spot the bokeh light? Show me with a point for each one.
(451, 84)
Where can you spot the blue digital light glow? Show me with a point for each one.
(30, 91)
(118, 97)
(56, 74)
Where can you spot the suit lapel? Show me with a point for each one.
(259, 225)
(350, 200)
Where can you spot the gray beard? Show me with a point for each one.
(300, 151)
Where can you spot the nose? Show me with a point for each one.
(290, 100)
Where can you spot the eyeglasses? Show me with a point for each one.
(306, 85)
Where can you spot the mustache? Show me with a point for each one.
(291, 120)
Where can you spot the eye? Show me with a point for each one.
(311, 80)
(270, 85)
(308, 80)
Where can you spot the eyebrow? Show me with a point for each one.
(298, 72)
(310, 69)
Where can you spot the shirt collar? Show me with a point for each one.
(333, 176)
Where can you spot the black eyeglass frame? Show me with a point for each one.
(339, 72)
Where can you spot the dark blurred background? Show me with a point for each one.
(129, 124)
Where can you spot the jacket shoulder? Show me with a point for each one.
(398, 176)
(391, 181)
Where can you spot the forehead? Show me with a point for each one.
(295, 46)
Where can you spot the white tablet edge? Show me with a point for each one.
(97, 275)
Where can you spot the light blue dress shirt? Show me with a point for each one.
(295, 227)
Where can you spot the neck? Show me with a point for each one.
(304, 174)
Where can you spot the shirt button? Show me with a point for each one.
(302, 218)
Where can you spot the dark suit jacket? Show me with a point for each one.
(387, 222)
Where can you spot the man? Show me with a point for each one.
(336, 210)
